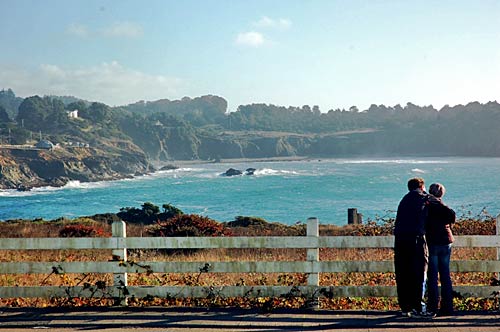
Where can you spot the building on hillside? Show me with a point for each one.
(44, 144)
(73, 114)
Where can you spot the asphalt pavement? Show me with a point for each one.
(234, 319)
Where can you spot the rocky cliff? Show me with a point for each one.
(27, 168)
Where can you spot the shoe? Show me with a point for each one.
(422, 314)
(406, 313)
(431, 314)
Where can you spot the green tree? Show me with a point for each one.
(18, 135)
(4, 116)
(150, 210)
(97, 113)
(80, 105)
(11, 103)
(170, 211)
(148, 214)
(45, 114)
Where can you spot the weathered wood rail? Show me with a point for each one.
(121, 267)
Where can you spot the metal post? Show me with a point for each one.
(120, 279)
(352, 216)
(497, 232)
(313, 256)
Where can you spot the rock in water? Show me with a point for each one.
(232, 172)
(250, 171)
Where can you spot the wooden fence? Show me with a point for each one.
(120, 266)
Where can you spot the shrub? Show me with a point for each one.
(474, 227)
(82, 231)
(169, 211)
(188, 225)
(148, 213)
(242, 221)
(254, 226)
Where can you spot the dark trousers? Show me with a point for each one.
(410, 263)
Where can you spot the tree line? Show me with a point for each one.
(202, 128)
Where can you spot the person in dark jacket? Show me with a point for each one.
(439, 239)
(410, 248)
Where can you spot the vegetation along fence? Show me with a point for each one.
(119, 266)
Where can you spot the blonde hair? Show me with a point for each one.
(437, 189)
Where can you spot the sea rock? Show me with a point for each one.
(23, 187)
(168, 167)
(232, 172)
(250, 171)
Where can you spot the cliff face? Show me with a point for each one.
(226, 146)
(34, 168)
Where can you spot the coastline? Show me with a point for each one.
(157, 167)
(235, 160)
(153, 167)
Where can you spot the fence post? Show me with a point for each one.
(352, 216)
(313, 256)
(497, 232)
(120, 279)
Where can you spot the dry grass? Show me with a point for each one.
(51, 229)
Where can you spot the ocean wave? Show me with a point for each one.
(86, 185)
(391, 161)
(260, 172)
(14, 193)
(178, 170)
(49, 189)
(174, 173)
(418, 170)
(270, 171)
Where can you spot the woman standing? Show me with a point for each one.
(439, 239)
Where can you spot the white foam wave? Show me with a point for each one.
(48, 189)
(270, 171)
(418, 170)
(86, 185)
(173, 173)
(392, 161)
(14, 193)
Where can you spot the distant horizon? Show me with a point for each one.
(332, 53)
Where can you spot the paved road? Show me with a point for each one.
(221, 320)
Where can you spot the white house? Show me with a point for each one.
(73, 114)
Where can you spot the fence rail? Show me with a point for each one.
(120, 267)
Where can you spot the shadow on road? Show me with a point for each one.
(232, 319)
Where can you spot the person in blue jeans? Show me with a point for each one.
(439, 240)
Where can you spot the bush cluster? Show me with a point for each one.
(254, 226)
(148, 213)
(474, 227)
(183, 225)
(79, 230)
(484, 226)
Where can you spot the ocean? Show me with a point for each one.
(279, 191)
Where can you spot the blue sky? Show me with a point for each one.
(330, 53)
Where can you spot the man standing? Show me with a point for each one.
(410, 248)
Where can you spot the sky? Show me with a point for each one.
(330, 53)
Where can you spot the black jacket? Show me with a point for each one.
(439, 219)
(411, 214)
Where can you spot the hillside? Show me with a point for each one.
(162, 131)
(27, 168)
